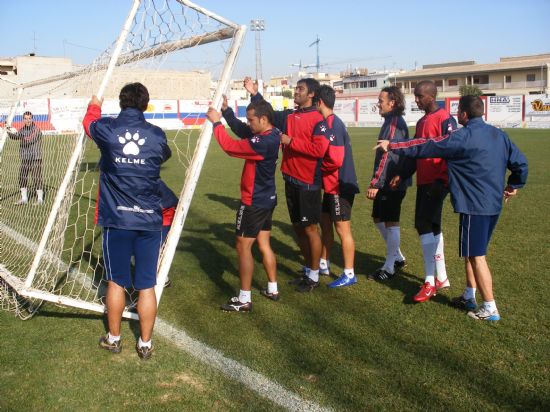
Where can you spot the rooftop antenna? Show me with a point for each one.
(316, 42)
(34, 43)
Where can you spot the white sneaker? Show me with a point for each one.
(485, 314)
(21, 202)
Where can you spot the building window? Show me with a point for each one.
(371, 83)
(508, 79)
(453, 82)
(481, 79)
(413, 85)
(438, 83)
(531, 77)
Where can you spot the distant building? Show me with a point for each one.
(163, 84)
(361, 83)
(522, 75)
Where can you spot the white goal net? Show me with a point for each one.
(50, 248)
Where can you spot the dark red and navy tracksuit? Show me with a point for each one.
(337, 167)
(478, 156)
(387, 164)
(301, 162)
(260, 153)
(432, 125)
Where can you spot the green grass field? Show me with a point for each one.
(361, 348)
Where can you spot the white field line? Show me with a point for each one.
(253, 380)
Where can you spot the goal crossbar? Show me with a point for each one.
(137, 55)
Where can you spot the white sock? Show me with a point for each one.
(381, 226)
(469, 293)
(392, 246)
(439, 258)
(349, 273)
(245, 296)
(324, 263)
(430, 280)
(40, 195)
(272, 287)
(112, 338)
(490, 305)
(24, 194)
(427, 241)
(143, 344)
(313, 275)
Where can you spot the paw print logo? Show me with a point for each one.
(131, 143)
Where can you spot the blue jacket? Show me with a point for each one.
(132, 151)
(477, 157)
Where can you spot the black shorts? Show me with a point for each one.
(250, 220)
(387, 205)
(429, 206)
(338, 206)
(304, 206)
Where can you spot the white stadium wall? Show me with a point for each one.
(55, 115)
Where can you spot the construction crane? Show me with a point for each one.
(316, 42)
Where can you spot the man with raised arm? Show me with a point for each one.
(301, 172)
(258, 197)
(129, 208)
(339, 184)
(477, 156)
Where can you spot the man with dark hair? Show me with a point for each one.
(258, 197)
(30, 153)
(386, 208)
(477, 156)
(129, 208)
(432, 188)
(339, 184)
(301, 172)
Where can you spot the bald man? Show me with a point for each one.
(432, 188)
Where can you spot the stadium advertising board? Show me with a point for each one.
(537, 111)
(66, 114)
(537, 105)
(412, 112)
(345, 109)
(368, 112)
(504, 111)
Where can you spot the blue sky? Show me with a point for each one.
(372, 34)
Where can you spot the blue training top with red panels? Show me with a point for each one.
(337, 167)
(260, 153)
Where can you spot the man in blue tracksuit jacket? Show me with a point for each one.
(129, 208)
(477, 155)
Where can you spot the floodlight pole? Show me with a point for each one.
(258, 25)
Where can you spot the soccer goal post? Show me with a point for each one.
(51, 248)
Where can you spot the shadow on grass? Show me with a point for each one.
(70, 315)
(364, 263)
